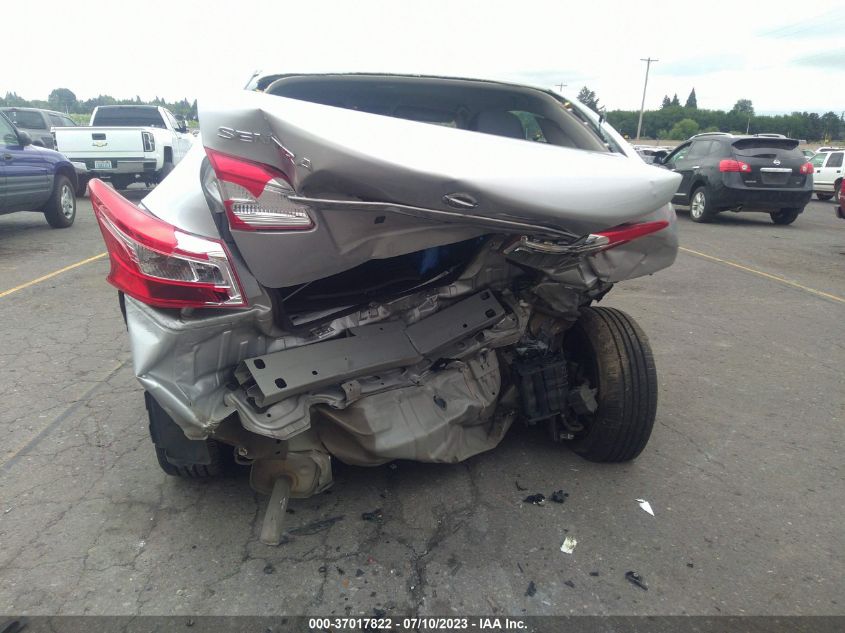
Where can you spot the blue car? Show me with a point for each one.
(35, 178)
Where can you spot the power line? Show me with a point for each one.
(648, 61)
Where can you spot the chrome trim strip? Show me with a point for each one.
(435, 214)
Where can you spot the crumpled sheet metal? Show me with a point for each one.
(186, 365)
(449, 417)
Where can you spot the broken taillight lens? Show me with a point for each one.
(257, 196)
(624, 233)
(158, 264)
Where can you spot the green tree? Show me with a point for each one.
(666, 102)
(683, 129)
(62, 99)
(692, 101)
(589, 99)
(12, 99)
(743, 106)
(675, 100)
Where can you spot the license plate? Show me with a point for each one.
(102, 164)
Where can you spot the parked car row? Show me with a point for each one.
(123, 144)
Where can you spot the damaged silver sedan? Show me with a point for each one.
(381, 267)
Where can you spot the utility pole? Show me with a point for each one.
(648, 61)
(560, 87)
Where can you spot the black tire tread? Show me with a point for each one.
(193, 471)
(52, 211)
(708, 214)
(627, 404)
(785, 216)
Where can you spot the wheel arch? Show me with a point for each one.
(70, 173)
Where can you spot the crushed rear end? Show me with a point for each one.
(379, 267)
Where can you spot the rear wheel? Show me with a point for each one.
(700, 208)
(784, 216)
(165, 171)
(613, 356)
(60, 210)
(824, 196)
(177, 455)
(82, 187)
(122, 182)
(837, 191)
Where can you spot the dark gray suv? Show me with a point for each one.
(37, 123)
(727, 172)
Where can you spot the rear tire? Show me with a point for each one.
(165, 171)
(700, 208)
(121, 182)
(824, 196)
(60, 210)
(614, 356)
(82, 187)
(837, 192)
(784, 216)
(177, 455)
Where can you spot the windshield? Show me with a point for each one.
(128, 117)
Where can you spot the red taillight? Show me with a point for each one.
(730, 164)
(257, 196)
(626, 232)
(158, 264)
(806, 168)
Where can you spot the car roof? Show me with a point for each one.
(727, 136)
(28, 109)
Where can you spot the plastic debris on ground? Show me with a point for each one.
(559, 496)
(635, 579)
(532, 589)
(645, 505)
(375, 515)
(538, 499)
(568, 546)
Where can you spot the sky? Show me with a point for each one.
(784, 56)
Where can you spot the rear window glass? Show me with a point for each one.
(765, 143)
(27, 119)
(128, 117)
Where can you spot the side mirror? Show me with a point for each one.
(24, 138)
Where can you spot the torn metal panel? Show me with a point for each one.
(371, 348)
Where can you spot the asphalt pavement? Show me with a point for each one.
(744, 471)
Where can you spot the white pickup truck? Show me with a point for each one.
(125, 144)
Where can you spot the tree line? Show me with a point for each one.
(64, 100)
(678, 122)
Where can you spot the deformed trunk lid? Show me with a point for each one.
(453, 182)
